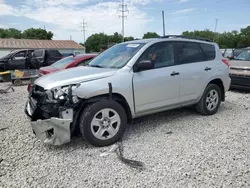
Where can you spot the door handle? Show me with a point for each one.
(207, 69)
(174, 73)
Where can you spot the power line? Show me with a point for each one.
(84, 29)
(123, 9)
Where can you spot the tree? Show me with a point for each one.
(10, 33)
(95, 42)
(128, 38)
(150, 35)
(233, 39)
(39, 33)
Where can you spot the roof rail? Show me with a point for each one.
(186, 37)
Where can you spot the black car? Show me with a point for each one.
(28, 58)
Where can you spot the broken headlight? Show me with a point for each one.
(62, 93)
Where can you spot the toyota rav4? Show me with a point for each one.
(126, 81)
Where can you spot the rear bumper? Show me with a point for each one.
(240, 81)
(53, 131)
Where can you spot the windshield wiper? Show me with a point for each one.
(98, 66)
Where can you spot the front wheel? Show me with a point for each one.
(103, 123)
(210, 100)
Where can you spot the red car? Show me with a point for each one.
(67, 62)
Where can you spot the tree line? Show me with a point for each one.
(31, 33)
(233, 39)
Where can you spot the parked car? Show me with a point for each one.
(231, 53)
(37, 58)
(14, 60)
(240, 70)
(68, 62)
(126, 81)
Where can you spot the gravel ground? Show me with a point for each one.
(202, 151)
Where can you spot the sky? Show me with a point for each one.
(64, 17)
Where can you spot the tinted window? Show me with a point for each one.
(38, 53)
(161, 54)
(209, 51)
(189, 52)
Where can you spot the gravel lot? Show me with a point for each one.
(202, 151)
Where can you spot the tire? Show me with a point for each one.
(203, 105)
(96, 122)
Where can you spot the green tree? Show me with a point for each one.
(150, 35)
(96, 41)
(10, 33)
(128, 38)
(39, 33)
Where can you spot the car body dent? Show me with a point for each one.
(73, 76)
(121, 83)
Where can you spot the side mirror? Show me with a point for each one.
(144, 65)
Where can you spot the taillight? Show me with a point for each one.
(29, 87)
(226, 62)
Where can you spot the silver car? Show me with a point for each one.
(128, 80)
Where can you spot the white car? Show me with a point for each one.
(126, 81)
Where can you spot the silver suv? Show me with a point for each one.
(128, 80)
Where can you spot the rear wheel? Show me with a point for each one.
(103, 123)
(210, 101)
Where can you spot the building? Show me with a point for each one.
(64, 46)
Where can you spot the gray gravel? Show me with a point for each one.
(202, 151)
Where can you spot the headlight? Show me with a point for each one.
(62, 92)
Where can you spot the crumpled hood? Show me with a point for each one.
(73, 76)
(239, 64)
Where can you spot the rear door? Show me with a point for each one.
(195, 68)
(17, 61)
(38, 58)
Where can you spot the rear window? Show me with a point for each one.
(63, 62)
(209, 51)
(54, 53)
(38, 53)
(189, 52)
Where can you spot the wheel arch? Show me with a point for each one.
(219, 83)
(115, 96)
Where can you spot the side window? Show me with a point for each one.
(209, 51)
(19, 55)
(189, 52)
(161, 54)
(84, 62)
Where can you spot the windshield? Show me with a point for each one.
(63, 62)
(116, 56)
(244, 56)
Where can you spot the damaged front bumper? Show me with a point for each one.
(53, 131)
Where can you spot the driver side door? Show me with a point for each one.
(158, 88)
(17, 61)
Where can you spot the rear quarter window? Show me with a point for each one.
(208, 50)
(189, 52)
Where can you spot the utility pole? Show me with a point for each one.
(84, 30)
(123, 9)
(163, 22)
(215, 29)
(70, 37)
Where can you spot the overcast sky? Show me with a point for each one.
(64, 17)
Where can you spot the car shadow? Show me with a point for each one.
(242, 91)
